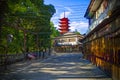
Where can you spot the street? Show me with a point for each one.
(63, 67)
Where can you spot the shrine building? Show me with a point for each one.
(68, 42)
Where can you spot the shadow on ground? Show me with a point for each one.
(64, 67)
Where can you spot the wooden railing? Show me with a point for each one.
(13, 58)
(10, 58)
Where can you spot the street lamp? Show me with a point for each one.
(9, 40)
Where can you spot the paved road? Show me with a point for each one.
(64, 67)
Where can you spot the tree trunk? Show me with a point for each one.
(25, 39)
(3, 10)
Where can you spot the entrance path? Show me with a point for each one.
(63, 67)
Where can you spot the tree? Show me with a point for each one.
(76, 32)
(55, 32)
(3, 10)
(26, 20)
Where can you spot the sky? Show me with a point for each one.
(74, 11)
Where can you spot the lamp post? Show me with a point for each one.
(9, 40)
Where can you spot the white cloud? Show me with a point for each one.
(56, 25)
(66, 14)
(68, 9)
(80, 26)
(55, 18)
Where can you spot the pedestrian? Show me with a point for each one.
(31, 56)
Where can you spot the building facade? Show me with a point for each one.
(68, 42)
(101, 45)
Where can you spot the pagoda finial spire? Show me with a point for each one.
(64, 14)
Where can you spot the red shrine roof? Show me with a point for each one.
(64, 19)
(64, 26)
(64, 22)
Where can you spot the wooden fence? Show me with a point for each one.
(10, 59)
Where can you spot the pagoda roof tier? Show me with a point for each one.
(63, 22)
(63, 29)
(64, 26)
(65, 19)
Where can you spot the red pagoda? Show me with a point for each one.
(64, 25)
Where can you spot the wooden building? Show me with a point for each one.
(101, 45)
(68, 42)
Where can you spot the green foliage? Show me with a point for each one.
(26, 17)
(55, 32)
(76, 32)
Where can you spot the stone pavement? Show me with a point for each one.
(63, 67)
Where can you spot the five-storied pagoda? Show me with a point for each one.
(64, 25)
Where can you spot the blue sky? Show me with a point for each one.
(74, 11)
